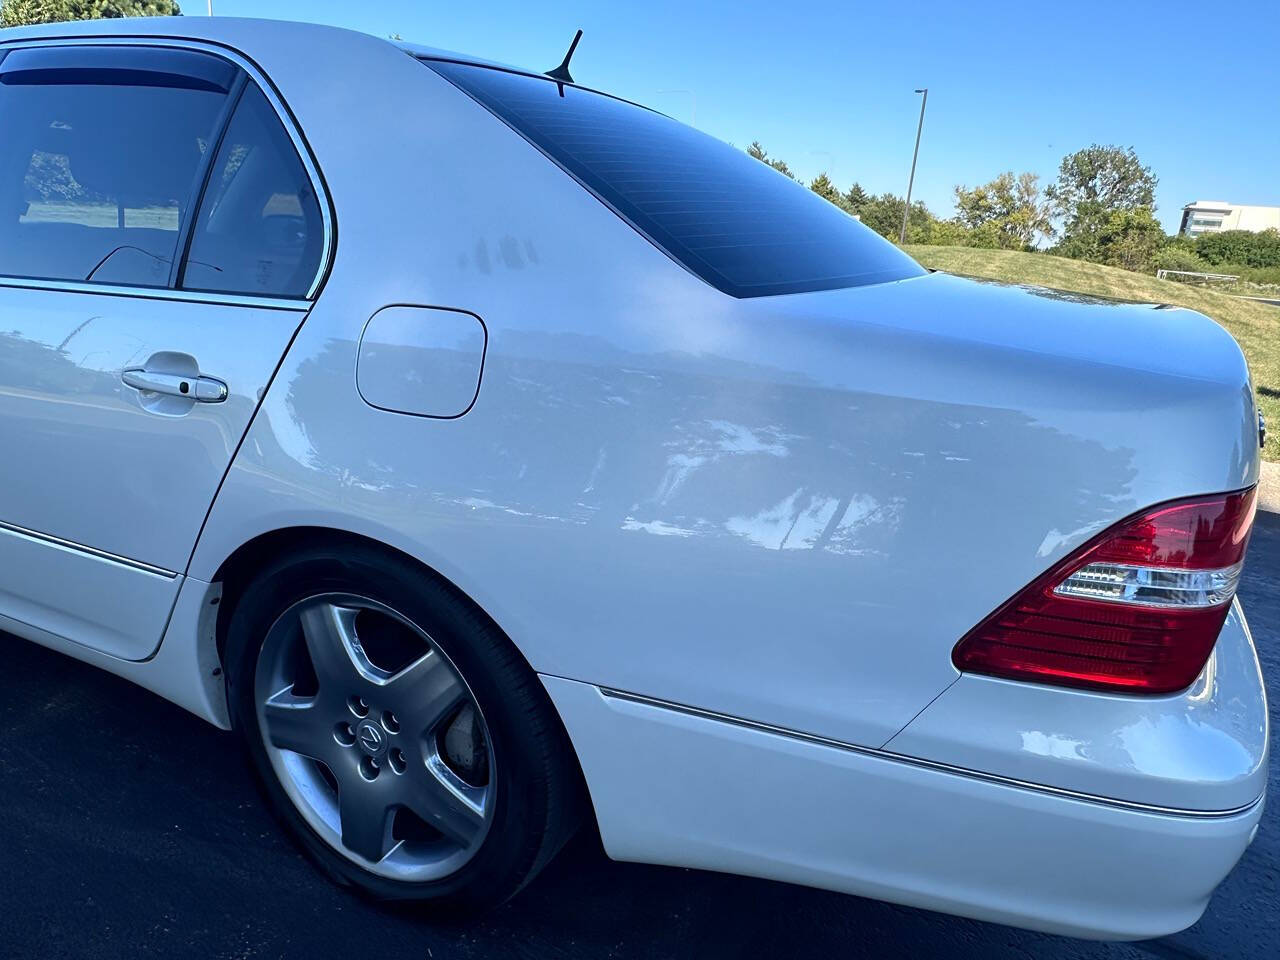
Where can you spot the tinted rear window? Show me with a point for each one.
(727, 217)
(99, 156)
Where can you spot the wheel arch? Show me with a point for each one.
(239, 568)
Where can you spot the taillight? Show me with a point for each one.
(1137, 609)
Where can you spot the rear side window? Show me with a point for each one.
(99, 159)
(729, 219)
(150, 167)
(259, 229)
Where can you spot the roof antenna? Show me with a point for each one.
(561, 73)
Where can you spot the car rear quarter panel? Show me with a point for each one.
(785, 509)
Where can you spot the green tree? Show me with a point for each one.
(1008, 211)
(1093, 184)
(824, 188)
(17, 13)
(856, 198)
(1113, 178)
(883, 214)
(762, 155)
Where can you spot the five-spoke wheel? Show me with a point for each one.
(375, 736)
(396, 731)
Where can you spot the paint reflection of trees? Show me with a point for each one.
(572, 429)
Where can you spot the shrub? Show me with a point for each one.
(987, 236)
(1120, 238)
(1179, 257)
(946, 233)
(1243, 247)
(1265, 275)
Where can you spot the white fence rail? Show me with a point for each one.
(1193, 277)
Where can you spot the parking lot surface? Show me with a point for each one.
(130, 829)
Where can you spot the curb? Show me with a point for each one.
(1269, 487)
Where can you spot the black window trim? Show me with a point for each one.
(107, 65)
(200, 182)
(516, 72)
(247, 71)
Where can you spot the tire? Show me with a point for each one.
(511, 765)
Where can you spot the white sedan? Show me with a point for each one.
(495, 455)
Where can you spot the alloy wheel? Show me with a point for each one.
(375, 736)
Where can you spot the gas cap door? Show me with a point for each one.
(422, 361)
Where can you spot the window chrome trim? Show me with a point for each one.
(48, 540)
(935, 765)
(156, 293)
(283, 113)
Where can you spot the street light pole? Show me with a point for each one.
(906, 210)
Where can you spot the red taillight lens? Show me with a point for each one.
(1137, 609)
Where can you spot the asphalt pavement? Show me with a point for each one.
(130, 829)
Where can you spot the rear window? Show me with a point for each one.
(727, 217)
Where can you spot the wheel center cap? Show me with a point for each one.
(371, 739)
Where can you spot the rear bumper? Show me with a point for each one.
(1203, 749)
(680, 787)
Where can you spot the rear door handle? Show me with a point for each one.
(200, 389)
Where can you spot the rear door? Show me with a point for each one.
(160, 238)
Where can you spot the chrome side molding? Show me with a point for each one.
(36, 536)
(612, 694)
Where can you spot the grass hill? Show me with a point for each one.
(1256, 326)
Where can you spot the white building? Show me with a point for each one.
(1207, 216)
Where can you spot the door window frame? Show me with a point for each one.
(250, 73)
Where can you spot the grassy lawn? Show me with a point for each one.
(101, 214)
(1256, 326)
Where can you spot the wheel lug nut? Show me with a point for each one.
(358, 706)
(390, 722)
(397, 760)
(344, 734)
(369, 768)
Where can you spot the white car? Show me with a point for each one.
(493, 454)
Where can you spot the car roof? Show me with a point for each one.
(244, 33)
(233, 31)
(435, 53)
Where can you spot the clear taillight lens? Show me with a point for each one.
(1136, 609)
(1153, 586)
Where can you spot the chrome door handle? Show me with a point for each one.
(199, 389)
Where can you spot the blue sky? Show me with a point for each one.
(1194, 87)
